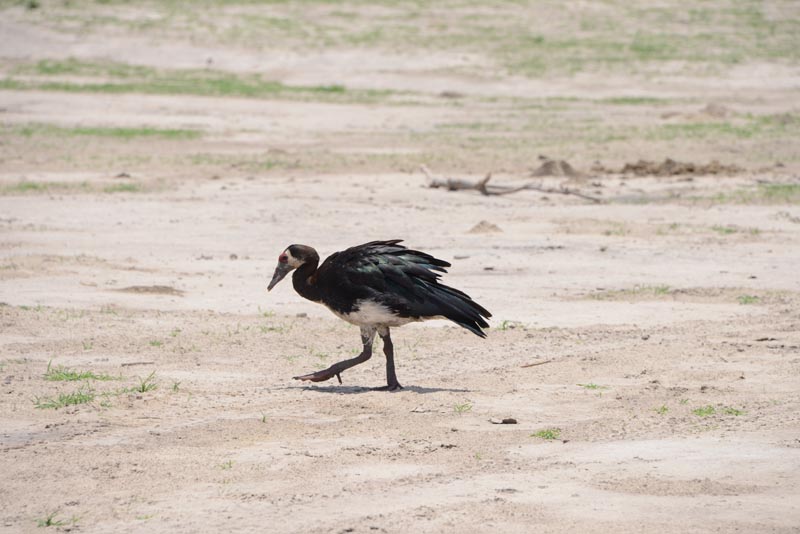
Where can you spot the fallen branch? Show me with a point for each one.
(534, 364)
(453, 184)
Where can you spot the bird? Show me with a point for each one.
(377, 286)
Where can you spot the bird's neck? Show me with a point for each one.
(304, 281)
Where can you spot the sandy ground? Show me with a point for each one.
(663, 322)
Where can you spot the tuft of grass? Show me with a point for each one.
(82, 396)
(462, 408)
(146, 384)
(176, 386)
(155, 343)
(748, 299)
(122, 188)
(62, 373)
(662, 410)
(225, 466)
(704, 411)
(51, 521)
(592, 386)
(547, 433)
(724, 230)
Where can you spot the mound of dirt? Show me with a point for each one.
(485, 227)
(552, 167)
(670, 167)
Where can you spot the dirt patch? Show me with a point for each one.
(670, 167)
(152, 290)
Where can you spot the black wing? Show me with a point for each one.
(404, 280)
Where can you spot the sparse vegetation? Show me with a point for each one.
(748, 299)
(82, 396)
(462, 408)
(662, 410)
(147, 383)
(60, 373)
(592, 386)
(119, 78)
(548, 433)
(36, 130)
(122, 188)
(637, 291)
(51, 521)
(704, 411)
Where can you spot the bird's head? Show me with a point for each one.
(290, 259)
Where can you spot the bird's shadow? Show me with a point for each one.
(355, 390)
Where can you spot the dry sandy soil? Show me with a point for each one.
(155, 161)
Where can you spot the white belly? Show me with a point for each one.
(369, 313)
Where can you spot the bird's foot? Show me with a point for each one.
(319, 376)
(390, 387)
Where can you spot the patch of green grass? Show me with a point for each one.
(82, 396)
(176, 386)
(662, 410)
(617, 229)
(704, 411)
(206, 82)
(155, 343)
(592, 386)
(61, 373)
(763, 194)
(122, 188)
(547, 433)
(748, 299)
(31, 130)
(789, 193)
(226, 466)
(724, 230)
(462, 408)
(742, 127)
(25, 186)
(146, 384)
(51, 521)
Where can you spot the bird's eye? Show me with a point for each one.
(283, 258)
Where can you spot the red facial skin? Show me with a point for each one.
(283, 258)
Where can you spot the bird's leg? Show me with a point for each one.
(388, 349)
(367, 337)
